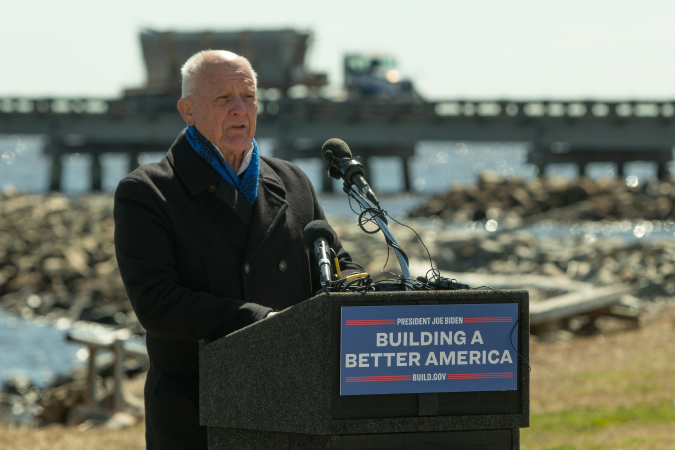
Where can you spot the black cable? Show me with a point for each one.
(368, 287)
(350, 282)
(431, 263)
(338, 284)
(344, 285)
(395, 246)
(436, 281)
(382, 214)
(436, 275)
(514, 325)
(362, 222)
(349, 198)
(385, 263)
(323, 290)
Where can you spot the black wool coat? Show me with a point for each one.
(199, 262)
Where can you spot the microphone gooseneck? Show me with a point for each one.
(340, 164)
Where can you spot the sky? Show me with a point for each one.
(478, 49)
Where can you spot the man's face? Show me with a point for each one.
(224, 105)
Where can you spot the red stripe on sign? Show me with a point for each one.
(380, 378)
(384, 377)
(478, 377)
(487, 319)
(371, 322)
(474, 376)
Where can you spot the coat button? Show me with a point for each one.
(247, 268)
(282, 265)
(213, 188)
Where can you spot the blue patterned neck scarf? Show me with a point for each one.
(247, 184)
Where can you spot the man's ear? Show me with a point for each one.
(185, 108)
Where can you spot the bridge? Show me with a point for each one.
(581, 132)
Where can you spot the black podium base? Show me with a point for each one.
(229, 438)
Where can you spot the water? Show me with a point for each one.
(436, 167)
(36, 350)
(626, 231)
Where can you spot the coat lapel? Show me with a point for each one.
(191, 168)
(268, 210)
(198, 175)
(236, 201)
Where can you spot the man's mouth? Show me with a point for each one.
(238, 127)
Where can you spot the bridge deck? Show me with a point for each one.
(574, 131)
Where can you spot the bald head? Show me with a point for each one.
(207, 61)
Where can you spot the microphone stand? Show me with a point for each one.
(353, 193)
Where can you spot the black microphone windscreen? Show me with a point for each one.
(338, 147)
(316, 229)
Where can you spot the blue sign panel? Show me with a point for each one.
(428, 348)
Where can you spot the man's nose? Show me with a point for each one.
(238, 106)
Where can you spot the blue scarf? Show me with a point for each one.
(248, 184)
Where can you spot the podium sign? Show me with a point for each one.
(405, 349)
(441, 364)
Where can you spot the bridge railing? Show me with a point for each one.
(571, 109)
(365, 109)
(53, 106)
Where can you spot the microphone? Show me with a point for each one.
(319, 236)
(337, 155)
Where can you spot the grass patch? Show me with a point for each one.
(590, 419)
(621, 437)
(618, 382)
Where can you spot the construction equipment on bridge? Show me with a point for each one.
(278, 57)
(376, 77)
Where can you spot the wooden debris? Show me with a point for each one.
(577, 303)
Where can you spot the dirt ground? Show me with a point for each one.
(609, 391)
(71, 438)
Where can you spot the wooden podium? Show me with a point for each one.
(276, 385)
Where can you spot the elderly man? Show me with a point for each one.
(209, 240)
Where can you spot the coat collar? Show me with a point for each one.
(198, 175)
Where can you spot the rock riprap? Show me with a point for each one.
(518, 201)
(57, 258)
